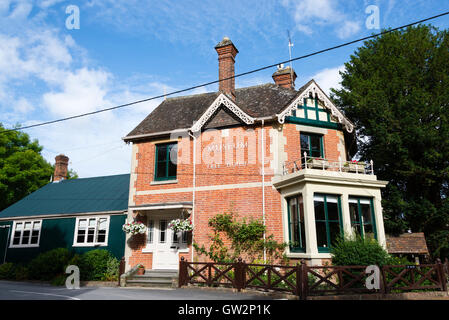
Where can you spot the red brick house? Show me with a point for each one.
(269, 151)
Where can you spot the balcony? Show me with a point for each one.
(315, 163)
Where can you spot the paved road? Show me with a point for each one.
(10, 290)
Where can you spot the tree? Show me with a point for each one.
(396, 90)
(22, 167)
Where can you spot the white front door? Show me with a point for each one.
(165, 244)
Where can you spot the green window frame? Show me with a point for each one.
(296, 226)
(165, 168)
(328, 220)
(311, 144)
(363, 219)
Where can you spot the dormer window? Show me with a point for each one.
(166, 161)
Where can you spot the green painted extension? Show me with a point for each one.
(59, 233)
(67, 200)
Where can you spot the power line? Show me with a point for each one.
(228, 78)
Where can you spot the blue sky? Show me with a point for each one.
(130, 50)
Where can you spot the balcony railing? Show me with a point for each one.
(307, 162)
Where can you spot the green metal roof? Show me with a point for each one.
(97, 194)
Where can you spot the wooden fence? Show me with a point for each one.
(303, 280)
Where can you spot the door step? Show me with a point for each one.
(154, 278)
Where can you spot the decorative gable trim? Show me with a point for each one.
(316, 92)
(228, 103)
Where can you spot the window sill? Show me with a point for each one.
(23, 246)
(156, 182)
(89, 245)
(299, 255)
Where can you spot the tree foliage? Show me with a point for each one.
(232, 239)
(396, 90)
(22, 168)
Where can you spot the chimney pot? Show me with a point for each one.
(285, 77)
(226, 59)
(61, 168)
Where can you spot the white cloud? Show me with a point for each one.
(45, 75)
(329, 78)
(23, 106)
(312, 14)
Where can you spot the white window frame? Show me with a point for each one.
(95, 243)
(29, 245)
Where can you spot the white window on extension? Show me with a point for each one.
(91, 231)
(26, 234)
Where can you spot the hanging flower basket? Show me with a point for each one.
(180, 225)
(135, 227)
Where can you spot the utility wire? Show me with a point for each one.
(228, 78)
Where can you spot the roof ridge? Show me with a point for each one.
(112, 175)
(192, 95)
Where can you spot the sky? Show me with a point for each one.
(123, 51)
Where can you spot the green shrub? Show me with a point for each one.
(112, 269)
(49, 264)
(354, 252)
(59, 280)
(94, 264)
(21, 272)
(7, 271)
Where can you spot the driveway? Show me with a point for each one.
(11, 290)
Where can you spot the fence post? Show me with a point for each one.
(182, 278)
(239, 270)
(384, 287)
(299, 281)
(121, 268)
(304, 280)
(441, 275)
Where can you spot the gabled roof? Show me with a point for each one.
(407, 243)
(84, 195)
(182, 112)
(262, 101)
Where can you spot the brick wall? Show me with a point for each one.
(246, 201)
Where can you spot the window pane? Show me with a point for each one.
(37, 225)
(19, 226)
(301, 223)
(28, 225)
(26, 236)
(171, 169)
(304, 144)
(150, 231)
(369, 233)
(353, 212)
(16, 239)
(34, 236)
(319, 210)
(294, 222)
(366, 212)
(334, 231)
(80, 236)
(184, 236)
(315, 142)
(101, 236)
(321, 236)
(82, 223)
(162, 230)
(102, 224)
(162, 153)
(92, 223)
(90, 235)
(161, 169)
(173, 156)
(332, 211)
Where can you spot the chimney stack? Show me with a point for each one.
(285, 77)
(61, 168)
(226, 59)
